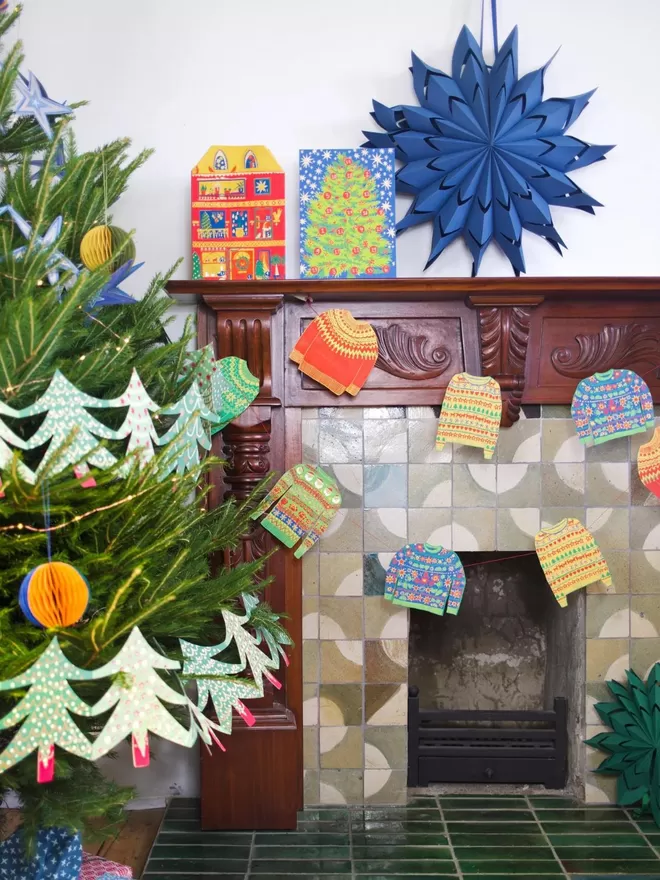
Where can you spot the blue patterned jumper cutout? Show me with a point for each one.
(426, 577)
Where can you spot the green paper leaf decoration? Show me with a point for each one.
(633, 746)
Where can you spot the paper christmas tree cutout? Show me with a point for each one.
(225, 694)
(137, 426)
(203, 366)
(249, 652)
(187, 433)
(7, 436)
(73, 433)
(205, 727)
(45, 712)
(136, 695)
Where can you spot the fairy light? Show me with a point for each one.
(28, 528)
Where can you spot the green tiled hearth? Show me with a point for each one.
(490, 838)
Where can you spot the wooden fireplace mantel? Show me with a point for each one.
(537, 336)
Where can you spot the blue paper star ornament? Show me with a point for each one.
(484, 155)
(111, 293)
(34, 101)
(57, 262)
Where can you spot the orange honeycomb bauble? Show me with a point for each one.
(54, 595)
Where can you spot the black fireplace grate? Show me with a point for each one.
(471, 746)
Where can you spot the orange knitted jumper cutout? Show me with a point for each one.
(337, 351)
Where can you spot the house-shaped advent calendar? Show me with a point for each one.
(238, 215)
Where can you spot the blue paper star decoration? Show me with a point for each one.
(57, 261)
(484, 155)
(111, 293)
(34, 101)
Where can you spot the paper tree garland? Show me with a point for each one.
(484, 155)
(73, 433)
(137, 425)
(136, 695)
(46, 712)
(56, 261)
(35, 102)
(633, 744)
(6, 453)
(186, 433)
(54, 595)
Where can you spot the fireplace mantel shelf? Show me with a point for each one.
(537, 336)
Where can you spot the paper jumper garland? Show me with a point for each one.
(648, 463)
(427, 577)
(300, 507)
(337, 351)
(570, 558)
(347, 213)
(613, 404)
(227, 386)
(483, 154)
(471, 413)
(633, 743)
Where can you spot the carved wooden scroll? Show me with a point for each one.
(408, 355)
(616, 345)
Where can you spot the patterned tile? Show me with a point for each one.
(613, 450)
(385, 485)
(520, 443)
(385, 441)
(386, 660)
(384, 786)
(643, 654)
(559, 442)
(608, 617)
(607, 659)
(340, 705)
(472, 455)
(608, 483)
(552, 515)
(349, 479)
(472, 530)
(341, 787)
(310, 621)
(344, 534)
(645, 571)
(342, 661)
(340, 441)
(421, 443)
(553, 411)
(374, 568)
(644, 529)
(644, 617)
(340, 618)
(432, 525)
(385, 412)
(310, 705)
(610, 527)
(310, 571)
(429, 485)
(347, 413)
(518, 485)
(516, 528)
(310, 412)
(474, 485)
(562, 484)
(386, 703)
(311, 666)
(310, 748)
(311, 787)
(310, 441)
(384, 620)
(386, 748)
(341, 747)
(385, 528)
(341, 574)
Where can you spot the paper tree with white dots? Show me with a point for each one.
(249, 651)
(136, 695)
(137, 426)
(45, 712)
(7, 436)
(71, 432)
(187, 433)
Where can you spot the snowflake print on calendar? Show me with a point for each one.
(347, 223)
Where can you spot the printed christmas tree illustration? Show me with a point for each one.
(137, 425)
(345, 232)
(71, 430)
(136, 695)
(196, 267)
(187, 432)
(44, 711)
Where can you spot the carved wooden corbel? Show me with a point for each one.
(504, 336)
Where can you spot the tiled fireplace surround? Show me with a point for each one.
(397, 489)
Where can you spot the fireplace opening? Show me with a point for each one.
(496, 692)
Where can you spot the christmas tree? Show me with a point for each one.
(345, 228)
(196, 267)
(142, 542)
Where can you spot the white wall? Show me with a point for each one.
(180, 76)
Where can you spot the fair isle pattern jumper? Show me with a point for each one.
(337, 351)
(648, 463)
(570, 558)
(471, 413)
(300, 506)
(427, 577)
(612, 404)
